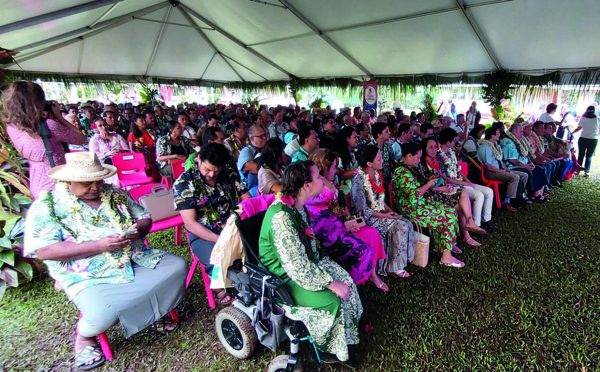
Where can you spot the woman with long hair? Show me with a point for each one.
(23, 113)
(142, 139)
(345, 144)
(271, 167)
(408, 195)
(368, 199)
(171, 148)
(363, 246)
(325, 296)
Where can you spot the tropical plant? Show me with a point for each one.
(496, 90)
(150, 96)
(317, 103)
(428, 109)
(251, 98)
(15, 197)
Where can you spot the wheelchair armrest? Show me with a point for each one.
(275, 283)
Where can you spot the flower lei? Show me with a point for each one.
(213, 218)
(450, 162)
(378, 205)
(236, 145)
(495, 148)
(119, 218)
(139, 142)
(540, 143)
(528, 145)
(518, 143)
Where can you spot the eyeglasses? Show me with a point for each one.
(264, 135)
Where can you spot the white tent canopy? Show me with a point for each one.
(266, 40)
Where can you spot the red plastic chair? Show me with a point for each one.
(178, 169)
(130, 166)
(464, 167)
(176, 222)
(205, 278)
(489, 183)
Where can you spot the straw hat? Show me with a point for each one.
(82, 167)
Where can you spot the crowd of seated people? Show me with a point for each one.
(394, 172)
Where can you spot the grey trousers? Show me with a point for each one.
(137, 304)
(513, 181)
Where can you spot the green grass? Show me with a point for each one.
(527, 300)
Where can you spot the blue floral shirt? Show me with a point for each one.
(42, 230)
(510, 152)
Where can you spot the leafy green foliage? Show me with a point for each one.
(496, 89)
(428, 108)
(150, 95)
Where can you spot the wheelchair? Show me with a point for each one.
(250, 318)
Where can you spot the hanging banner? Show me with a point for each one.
(369, 95)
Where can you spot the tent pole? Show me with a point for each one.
(104, 15)
(252, 71)
(207, 40)
(108, 26)
(55, 15)
(331, 43)
(160, 34)
(91, 27)
(171, 23)
(232, 38)
(206, 68)
(479, 34)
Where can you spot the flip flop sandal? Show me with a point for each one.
(456, 264)
(87, 354)
(401, 274)
(223, 299)
(457, 250)
(382, 286)
(470, 242)
(475, 230)
(161, 326)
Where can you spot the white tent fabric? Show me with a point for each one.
(265, 40)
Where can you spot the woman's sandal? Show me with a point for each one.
(456, 264)
(401, 274)
(457, 250)
(382, 286)
(475, 230)
(471, 243)
(223, 298)
(161, 326)
(88, 354)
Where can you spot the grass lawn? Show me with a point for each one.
(527, 300)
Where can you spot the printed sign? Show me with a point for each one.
(369, 95)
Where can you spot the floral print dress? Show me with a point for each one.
(397, 234)
(438, 218)
(286, 249)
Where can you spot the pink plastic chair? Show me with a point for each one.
(205, 278)
(130, 166)
(176, 222)
(105, 345)
(178, 169)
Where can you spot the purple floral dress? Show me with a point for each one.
(328, 227)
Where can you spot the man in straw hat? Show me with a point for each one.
(90, 233)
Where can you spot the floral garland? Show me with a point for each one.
(528, 145)
(117, 213)
(495, 148)
(236, 145)
(378, 205)
(518, 143)
(212, 216)
(450, 162)
(139, 142)
(538, 140)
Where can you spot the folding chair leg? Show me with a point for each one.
(209, 293)
(191, 272)
(178, 235)
(105, 346)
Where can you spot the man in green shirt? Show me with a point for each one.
(309, 142)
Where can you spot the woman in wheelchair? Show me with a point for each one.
(324, 293)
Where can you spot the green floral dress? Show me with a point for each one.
(289, 252)
(438, 218)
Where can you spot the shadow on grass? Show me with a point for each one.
(527, 300)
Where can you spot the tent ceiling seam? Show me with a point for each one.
(232, 38)
(479, 34)
(247, 68)
(160, 34)
(109, 26)
(208, 41)
(55, 15)
(331, 43)
(206, 68)
(91, 27)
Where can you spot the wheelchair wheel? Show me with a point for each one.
(236, 333)
(279, 363)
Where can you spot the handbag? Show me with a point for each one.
(421, 257)
(159, 203)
